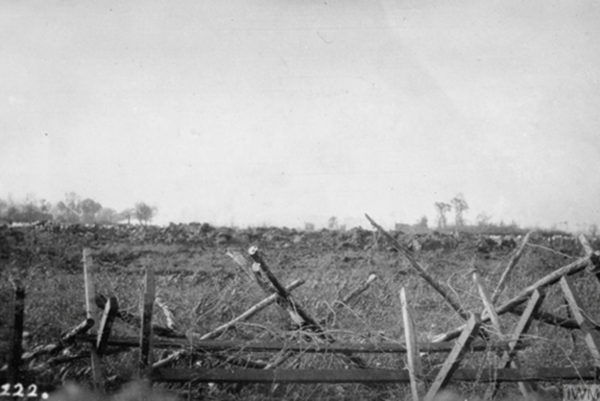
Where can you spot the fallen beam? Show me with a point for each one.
(380, 376)
(378, 348)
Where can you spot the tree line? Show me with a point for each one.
(73, 209)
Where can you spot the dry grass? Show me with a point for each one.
(215, 292)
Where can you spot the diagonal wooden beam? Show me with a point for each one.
(590, 336)
(517, 338)
(455, 357)
(413, 356)
(420, 270)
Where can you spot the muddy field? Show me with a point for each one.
(205, 288)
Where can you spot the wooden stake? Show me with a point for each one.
(487, 303)
(16, 335)
(91, 313)
(348, 299)
(106, 323)
(146, 329)
(453, 360)
(415, 370)
(511, 264)
(591, 338)
(420, 270)
(164, 306)
(516, 339)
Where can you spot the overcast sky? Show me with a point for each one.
(285, 112)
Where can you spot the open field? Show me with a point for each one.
(205, 289)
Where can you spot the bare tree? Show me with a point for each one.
(144, 213)
(442, 209)
(460, 206)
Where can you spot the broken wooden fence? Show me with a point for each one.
(423, 385)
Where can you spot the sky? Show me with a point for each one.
(262, 112)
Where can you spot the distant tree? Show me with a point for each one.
(422, 222)
(460, 206)
(593, 229)
(332, 223)
(144, 213)
(442, 209)
(483, 219)
(89, 208)
(126, 214)
(3, 208)
(107, 216)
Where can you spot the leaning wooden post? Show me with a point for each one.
(146, 329)
(589, 251)
(347, 299)
(508, 358)
(420, 270)
(511, 264)
(453, 360)
(16, 334)
(591, 338)
(487, 302)
(91, 313)
(415, 370)
(106, 322)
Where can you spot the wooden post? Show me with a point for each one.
(487, 302)
(91, 313)
(146, 329)
(413, 357)
(420, 270)
(346, 300)
(453, 360)
(108, 317)
(591, 338)
(516, 339)
(16, 334)
(511, 264)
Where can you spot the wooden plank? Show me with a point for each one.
(249, 313)
(146, 328)
(415, 370)
(587, 248)
(552, 278)
(365, 376)
(453, 360)
(91, 313)
(348, 299)
(487, 302)
(550, 318)
(66, 339)
(420, 270)
(373, 348)
(297, 313)
(591, 338)
(511, 265)
(106, 322)
(516, 338)
(16, 333)
(136, 321)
